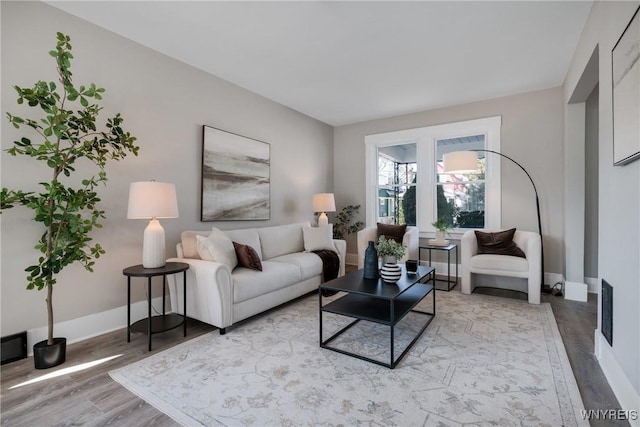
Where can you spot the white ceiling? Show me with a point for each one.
(343, 62)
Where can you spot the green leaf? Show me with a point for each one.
(84, 101)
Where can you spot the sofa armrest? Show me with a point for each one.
(468, 248)
(411, 241)
(209, 291)
(468, 245)
(531, 245)
(341, 247)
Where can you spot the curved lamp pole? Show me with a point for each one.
(535, 190)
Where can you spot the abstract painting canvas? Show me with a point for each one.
(625, 64)
(235, 177)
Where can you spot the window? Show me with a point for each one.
(405, 181)
(396, 186)
(460, 198)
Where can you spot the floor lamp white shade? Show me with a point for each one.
(324, 202)
(460, 162)
(152, 200)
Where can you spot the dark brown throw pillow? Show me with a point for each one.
(247, 256)
(392, 231)
(498, 243)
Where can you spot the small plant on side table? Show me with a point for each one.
(441, 226)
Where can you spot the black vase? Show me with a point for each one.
(370, 262)
(47, 356)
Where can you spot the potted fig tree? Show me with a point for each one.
(67, 205)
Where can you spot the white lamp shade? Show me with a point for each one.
(324, 202)
(150, 199)
(460, 162)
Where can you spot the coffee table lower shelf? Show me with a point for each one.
(381, 311)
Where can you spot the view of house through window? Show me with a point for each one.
(460, 197)
(406, 183)
(397, 174)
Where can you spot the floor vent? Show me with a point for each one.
(14, 347)
(606, 327)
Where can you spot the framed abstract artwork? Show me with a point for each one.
(235, 177)
(625, 67)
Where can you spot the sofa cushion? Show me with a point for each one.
(189, 245)
(498, 243)
(499, 262)
(281, 239)
(309, 264)
(217, 247)
(249, 284)
(246, 236)
(318, 238)
(247, 256)
(392, 231)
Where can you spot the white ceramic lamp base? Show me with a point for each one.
(323, 220)
(153, 255)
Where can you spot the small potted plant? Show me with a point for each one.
(441, 226)
(390, 250)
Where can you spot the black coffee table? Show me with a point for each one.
(378, 302)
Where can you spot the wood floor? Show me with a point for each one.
(90, 397)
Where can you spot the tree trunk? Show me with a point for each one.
(50, 313)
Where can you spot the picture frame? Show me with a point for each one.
(625, 81)
(236, 182)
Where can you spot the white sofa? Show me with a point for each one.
(221, 297)
(411, 240)
(528, 268)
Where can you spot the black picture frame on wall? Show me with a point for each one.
(625, 81)
(236, 182)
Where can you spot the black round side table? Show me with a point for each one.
(156, 324)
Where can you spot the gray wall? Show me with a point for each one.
(619, 201)
(164, 103)
(532, 133)
(591, 186)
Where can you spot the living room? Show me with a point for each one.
(166, 102)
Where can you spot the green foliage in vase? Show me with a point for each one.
(343, 224)
(441, 224)
(68, 211)
(389, 247)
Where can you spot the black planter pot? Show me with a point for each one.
(47, 356)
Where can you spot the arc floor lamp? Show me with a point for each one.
(467, 162)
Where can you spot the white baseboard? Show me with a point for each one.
(441, 268)
(553, 278)
(575, 291)
(627, 396)
(351, 259)
(93, 325)
(593, 284)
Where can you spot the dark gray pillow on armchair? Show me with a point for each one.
(498, 243)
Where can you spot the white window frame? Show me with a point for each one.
(425, 139)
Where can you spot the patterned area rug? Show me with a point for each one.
(483, 361)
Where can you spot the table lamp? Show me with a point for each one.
(323, 202)
(152, 200)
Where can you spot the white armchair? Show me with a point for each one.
(503, 265)
(411, 240)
